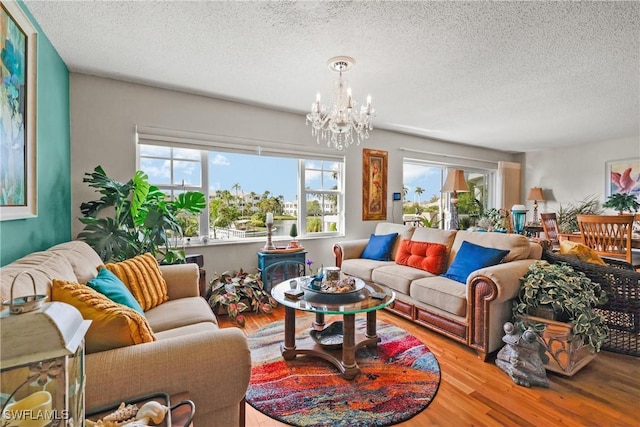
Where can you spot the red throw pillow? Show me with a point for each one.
(428, 256)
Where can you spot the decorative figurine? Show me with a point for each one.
(523, 358)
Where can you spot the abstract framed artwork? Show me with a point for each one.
(18, 181)
(374, 185)
(622, 176)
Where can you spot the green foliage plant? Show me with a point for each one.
(134, 217)
(237, 292)
(565, 291)
(622, 202)
(567, 217)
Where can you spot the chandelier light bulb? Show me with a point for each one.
(337, 124)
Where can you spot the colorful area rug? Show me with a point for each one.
(399, 378)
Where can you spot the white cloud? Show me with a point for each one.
(220, 160)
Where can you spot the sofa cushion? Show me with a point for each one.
(42, 266)
(580, 251)
(398, 277)
(518, 245)
(180, 312)
(144, 279)
(113, 325)
(404, 232)
(471, 257)
(379, 247)
(83, 258)
(428, 256)
(110, 286)
(441, 292)
(434, 235)
(361, 267)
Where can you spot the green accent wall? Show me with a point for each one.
(53, 223)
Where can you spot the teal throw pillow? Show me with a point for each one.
(471, 257)
(379, 247)
(111, 287)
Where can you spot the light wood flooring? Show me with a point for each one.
(473, 393)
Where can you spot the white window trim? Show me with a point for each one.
(149, 135)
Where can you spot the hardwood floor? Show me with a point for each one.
(473, 393)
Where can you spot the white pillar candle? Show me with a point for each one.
(269, 218)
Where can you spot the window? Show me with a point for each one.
(422, 182)
(241, 188)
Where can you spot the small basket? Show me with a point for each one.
(27, 303)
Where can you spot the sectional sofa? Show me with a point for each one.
(190, 352)
(470, 309)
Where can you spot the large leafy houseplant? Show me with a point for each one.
(134, 218)
(623, 202)
(567, 292)
(567, 216)
(237, 292)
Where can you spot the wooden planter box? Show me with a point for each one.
(566, 356)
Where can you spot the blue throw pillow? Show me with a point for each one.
(111, 287)
(471, 257)
(379, 247)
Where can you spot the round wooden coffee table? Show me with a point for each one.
(327, 345)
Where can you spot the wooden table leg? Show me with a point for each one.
(318, 324)
(372, 331)
(289, 347)
(351, 369)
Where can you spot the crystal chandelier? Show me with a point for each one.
(337, 124)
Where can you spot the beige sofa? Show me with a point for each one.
(190, 354)
(473, 313)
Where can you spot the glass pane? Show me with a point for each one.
(186, 153)
(159, 170)
(186, 173)
(155, 151)
(244, 187)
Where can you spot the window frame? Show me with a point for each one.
(206, 149)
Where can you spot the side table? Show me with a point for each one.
(202, 281)
(276, 267)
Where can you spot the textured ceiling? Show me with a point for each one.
(516, 76)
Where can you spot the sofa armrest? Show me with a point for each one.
(505, 276)
(182, 280)
(214, 366)
(349, 249)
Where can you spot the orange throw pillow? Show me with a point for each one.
(142, 275)
(113, 325)
(428, 256)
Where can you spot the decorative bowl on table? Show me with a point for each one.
(330, 337)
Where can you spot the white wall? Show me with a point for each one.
(104, 114)
(569, 175)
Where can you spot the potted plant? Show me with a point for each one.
(570, 330)
(567, 217)
(140, 219)
(293, 233)
(623, 202)
(236, 292)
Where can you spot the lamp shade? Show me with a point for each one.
(535, 194)
(455, 182)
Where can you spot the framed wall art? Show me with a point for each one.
(374, 185)
(18, 185)
(622, 176)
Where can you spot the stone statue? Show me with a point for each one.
(523, 358)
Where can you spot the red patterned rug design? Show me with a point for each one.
(400, 377)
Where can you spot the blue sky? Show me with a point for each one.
(425, 177)
(254, 173)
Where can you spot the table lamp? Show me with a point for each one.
(454, 184)
(42, 363)
(535, 194)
